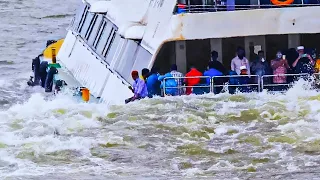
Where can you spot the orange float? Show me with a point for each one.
(85, 94)
(282, 3)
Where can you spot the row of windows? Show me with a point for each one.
(101, 35)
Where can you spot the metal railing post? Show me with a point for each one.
(262, 82)
(259, 78)
(164, 87)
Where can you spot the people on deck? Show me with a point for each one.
(189, 81)
(317, 65)
(217, 64)
(212, 72)
(280, 67)
(169, 84)
(178, 78)
(260, 66)
(304, 63)
(144, 74)
(153, 84)
(139, 88)
(244, 79)
(240, 60)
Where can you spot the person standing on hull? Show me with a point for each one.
(304, 63)
(240, 60)
(139, 88)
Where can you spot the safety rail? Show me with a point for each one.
(182, 87)
(227, 82)
(212, 85)
(185, 6)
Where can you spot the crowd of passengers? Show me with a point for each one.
(293, 61)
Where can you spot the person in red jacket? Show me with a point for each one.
(192, 81)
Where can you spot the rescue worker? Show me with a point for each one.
(139, 88)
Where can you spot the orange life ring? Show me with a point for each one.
(282, 3)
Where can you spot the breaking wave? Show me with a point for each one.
(257, 135)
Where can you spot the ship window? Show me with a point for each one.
(92, 35)
(113, 48)
(103, 25)
(79, 16)
(86, 24)
(109, 42)
(125, 63)
(83, 18)
(104, 37)
(142, 59)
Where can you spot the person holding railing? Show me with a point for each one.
(139, 88)
(304, 63)
(240, 60)
(189, 81)
(280, 66)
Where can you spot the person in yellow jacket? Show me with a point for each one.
(144, 74)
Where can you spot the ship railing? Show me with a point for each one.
(216, 84)
(267, 81)
(181, 88)
(219, 83)
(214, 5)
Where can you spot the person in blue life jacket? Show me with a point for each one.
(153, 84)
(170, 84)
(233, 81)
(213, 72)
(244, 80)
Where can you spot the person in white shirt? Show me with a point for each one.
(240, 60)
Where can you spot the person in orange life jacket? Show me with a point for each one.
(192, 81)
(244, 80)
(304, 63)
(139, 88)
